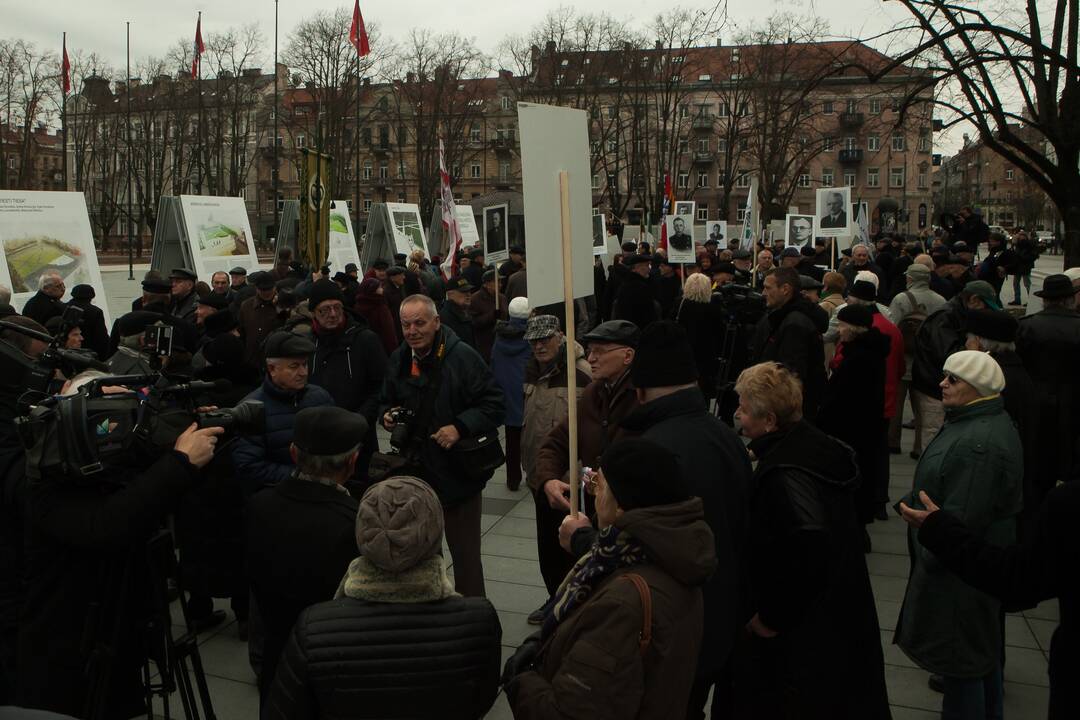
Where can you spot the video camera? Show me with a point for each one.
(117, 422)
(35, 373)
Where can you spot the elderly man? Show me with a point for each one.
(764, 265)
(454, 312)
(454, 401)
(263, 459)
(634, 301)
(300, 532)
(485, 309)
(860, 260)
(973, 469)
(183, 294)
(258, 318)
(835, 215)
(546, 383)
(46, 303)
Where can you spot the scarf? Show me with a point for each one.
(424, 582)
(613, 549)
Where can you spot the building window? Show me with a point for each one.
(896, 177)
(702, 212)
(612, 181)
(827, 107)
(740, 212)
(852, 106)
(682, 180)
(504, 170)
(851, 143)
(301, 141)
(367, 205)
(924, 141)
(895, 104)
(384, 171)
(898, 143)
(1009, 174)
(804, 180)
(401, 170)
(742, 179)
(595, 182)
(474, 170)
(735, 54)
(506, 104)
(703, 180)
(704, 78)
(873, 143)
(873, 177)
(827, 145)
(849, 178)
(875, 107)
(723, 112)
(281, 202)
(474, 134)
(703, 145)
(827, 177)
(612, 146)
(744, 109)
(922, 180)
(367, 170)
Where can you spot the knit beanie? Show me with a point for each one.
(400, 523)
(978, 370)
(857, 315)
(664, 357)
(641, 473)
(918, 271)
(323, 290)
(519, 308)
(863, 290)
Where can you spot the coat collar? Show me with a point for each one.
(684, 402)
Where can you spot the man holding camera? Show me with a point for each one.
(444, 394)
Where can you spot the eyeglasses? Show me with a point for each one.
(329, 310)
(595, 352)
(952, 379)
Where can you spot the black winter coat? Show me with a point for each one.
(301, 537)
(666, 292)
(716, 469)
(469, 399)
(617, 273)
(95, 334)
(810, 583)
(853, 410)
(1021, 576)
(42, 308)
(704, 325)
(941, 334)
(351, 658)
(792, 335)
(1021, 402)
(634, 302)
(458, 320)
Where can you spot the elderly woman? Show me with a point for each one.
(815, 646)
(371, 305)
(855, 401)
(621, 636)
(441, 658)
(703, 322)
(973, 468)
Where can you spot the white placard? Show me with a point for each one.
(45, 232)
(599, 234)
(408, 229)
(834, 211)
(496, 233)
(799, 231)
(466, 223)
(554, 140)
(684, 207)
(680, 239)
(342, 242)
(716, 230)
(218, 233)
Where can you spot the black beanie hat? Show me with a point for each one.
(857, 315)
(642, 473)
(323, 290)
(863, 290)
(664, 357)
(992, 325)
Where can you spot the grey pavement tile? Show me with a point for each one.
(516, 527)
(515, 628)
(496, 506)
(524, 509)
(908, 688)
(888, 565)
(1046, 610)
(231, 700)
(893, 526)
(893, 654)
(1043, 630)
(905, 713)
(515, 570)
(887, 612)
(890, 543)
(496, 488)
(1025, 702)
(226, 656)
(1026, 666)
(515, 598)
(888, 588)
(508, 546)
(500, 710)
(1019, 634)
(487, 521)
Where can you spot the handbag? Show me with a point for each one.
(478, 457)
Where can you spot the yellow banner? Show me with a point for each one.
(313, 245)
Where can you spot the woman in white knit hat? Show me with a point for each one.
(975, 465)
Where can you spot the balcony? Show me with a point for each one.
(380, 182)
(704, 158)
(851, 120)
(703, 122)
(503, 144)
(504, 182)
(850, 157)
(381, 148)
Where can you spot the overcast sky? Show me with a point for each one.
(98, 25)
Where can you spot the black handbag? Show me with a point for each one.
(478, 457)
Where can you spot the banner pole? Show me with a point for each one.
(571, 342)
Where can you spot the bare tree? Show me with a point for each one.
(29, 91)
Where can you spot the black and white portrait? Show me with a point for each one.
(495, 233)
(685, 207)
(718, 232)
(680, 239)
(832, 211)
(599, 234)
(800, 231)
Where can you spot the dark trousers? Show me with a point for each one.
(513, 457)
(722, 703)
(554, 561)
(463, 538)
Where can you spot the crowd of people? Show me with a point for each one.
(734, 426)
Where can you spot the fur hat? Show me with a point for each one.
(978, 370)
(323, 290)
(857, 315)
(664, 357)
(519, 308)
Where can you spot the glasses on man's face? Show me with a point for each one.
(951, 379)
(330, 310)
(600, 352)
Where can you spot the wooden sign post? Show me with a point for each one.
(571, 341)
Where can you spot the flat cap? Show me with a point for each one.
(284, 344)
(790, 251)
(379, 265)
(351, 267)
(808, 283)
(541, 327)
(616, 332)
(396, 270)
(83, 292)
(238, 270)
(636, 259)
(263, 280)
(183, 274)
(488, 276)
(629, 247)
(328, 430)
(742, 254)
(984, 290)
(458, 283)
(474, 253)
(992, 324)
(517, 249)
(157, 286)
(216, 300)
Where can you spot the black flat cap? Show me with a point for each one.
(396, 270)
(636, 259)
(284, 344)
(631, 468)
(83, 292)
(741, 254)
(379, 265)
(351, 267)
(489, 276)
(400, 258)
(474, 253)
(135, 323)
(241, 271)
(340, 277)
(458, 283)
(808, 283)
(158, 286)
(263, 280)
(183, 274)
(857, 315)
(218, 301)
(517, 249)
(328, 430)
(616, 332)
(992, 325)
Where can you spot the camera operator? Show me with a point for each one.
(85, 550)
(740, 309)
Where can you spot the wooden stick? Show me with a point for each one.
(496, 266)
(571, 343)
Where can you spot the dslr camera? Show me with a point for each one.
(399, 436)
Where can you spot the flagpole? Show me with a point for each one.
(356, 163)
(63, 114)
(199, 139)
(130, 233)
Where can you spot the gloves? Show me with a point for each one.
(522, 659)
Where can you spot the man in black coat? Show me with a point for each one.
(46, 304)
(454, 312)
(673, 413)
(349, 361)
(791, 334)
(634, 301)
(301, 532)
(184, 298)
(95, 334)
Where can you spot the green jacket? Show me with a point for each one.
(973, 469)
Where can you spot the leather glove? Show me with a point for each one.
(522, 659)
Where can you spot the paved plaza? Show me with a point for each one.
(515, 587)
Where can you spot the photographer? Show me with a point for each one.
(465, 405)
(85, 550)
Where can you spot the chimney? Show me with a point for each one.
(549, 48)
(136, 82)
(505, 74)
(719, 42)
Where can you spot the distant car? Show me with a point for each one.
(1044, 236)
(999, 229)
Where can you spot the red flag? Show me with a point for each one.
(449, 265)
(196, 58)
(65, 69)
(667, 206)
(357, 33)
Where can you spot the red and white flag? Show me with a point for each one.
(666, 207)
(357, 33)
(200, 48)
(449, 265)
(65, 69)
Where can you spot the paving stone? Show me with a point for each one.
(1043, 630)
(515, 628)
(907, 688)
(1019, 634)
(1025, 702)
(887, 613)
(905, 713)
(230, 699)
(496, 506)
(893, 654)
(888, 565)
(1026, 666)
(524, 509)
(508, 546)
(517, 527)
(515, 598)
(888, 588)
(487, 521)
(1046, 610)
(515, 570)
(226, 656)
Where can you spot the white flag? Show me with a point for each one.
(862, 231)
(449, 219)
(746, 239)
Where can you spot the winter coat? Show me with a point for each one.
(184, 308)
(484, 316)
(440, 661)
(832, 303)
(79, 541)
(517, 285)
(376, 313)
(509, 356)
(1049, 344)
(617, 273)
(258, 318)
(894, 364)
(601, 410)
(853, 410)
(901, 306)
(809, 581)
(850, 270)
(1025, 257)
(593, 663)
(943, 333)
(972, 469)
(264, 459)
(457, 319)
(635, 302)
(999, 262)
(301, 537)
(546, 403)
(792, 335)
(1021, 576)
(468, 398)
(716, 469)
(95, 334)
(666, 291)
(704, 323)
(1021, 402)
(42, 308)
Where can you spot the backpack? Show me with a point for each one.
(909, 326)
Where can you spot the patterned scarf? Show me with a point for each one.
(613, 549)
